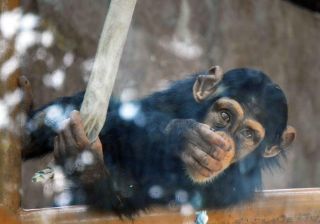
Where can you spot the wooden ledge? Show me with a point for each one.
(270, 206)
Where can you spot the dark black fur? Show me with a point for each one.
(141, 157)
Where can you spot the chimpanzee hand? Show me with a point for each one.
(72, 150)
(72, 140)
(205, 153)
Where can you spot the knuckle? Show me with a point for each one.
(197, 126)
(191, 147)
(204, 160)
(216, 154)
(219, 154)
(81, 145)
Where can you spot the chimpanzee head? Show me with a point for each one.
(248, 110)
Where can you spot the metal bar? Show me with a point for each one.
(276, 206)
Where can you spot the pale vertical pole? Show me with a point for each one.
(96, 100)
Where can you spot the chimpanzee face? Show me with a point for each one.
(246, 109)
(227, 115)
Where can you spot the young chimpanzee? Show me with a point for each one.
(203, 141)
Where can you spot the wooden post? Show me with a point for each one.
(276, 206)
(10, 151)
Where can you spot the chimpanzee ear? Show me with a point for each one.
(287, 138)
(205, 85)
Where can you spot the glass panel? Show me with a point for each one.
(179, 132)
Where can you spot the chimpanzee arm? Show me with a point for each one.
(44, 123)
(83, 164)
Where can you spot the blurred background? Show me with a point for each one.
(55, 43)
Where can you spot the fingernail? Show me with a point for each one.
(74, 115)
(63, 124)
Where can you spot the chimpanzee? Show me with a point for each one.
(203, 142)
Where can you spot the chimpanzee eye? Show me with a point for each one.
(247, 133)
(225, 116)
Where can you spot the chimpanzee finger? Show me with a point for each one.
(213, 150)
(56, 152)
(211, 137)
(68, 139)
(59, 148)
(97, 147)
(195, 165)
(217, 153)
(77, 129)
(204, 159)
(193, 136)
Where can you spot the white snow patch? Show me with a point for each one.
(55, 79)
(87, 158)
(4, 115)
(26, 39)
(29, 21)
(10, 22)
(63, 199)
(41, 54)
(68, 59)
(13, 98)
(47, 38)
(9, 101)
(186, 210)
(156, 192)
(129, 111)
(9, 67)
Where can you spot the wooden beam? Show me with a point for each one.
(10, 158)
(10, 151)
(7, 217)
(275, 206)
(9, 4)
(78, 214)
(272, 206)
